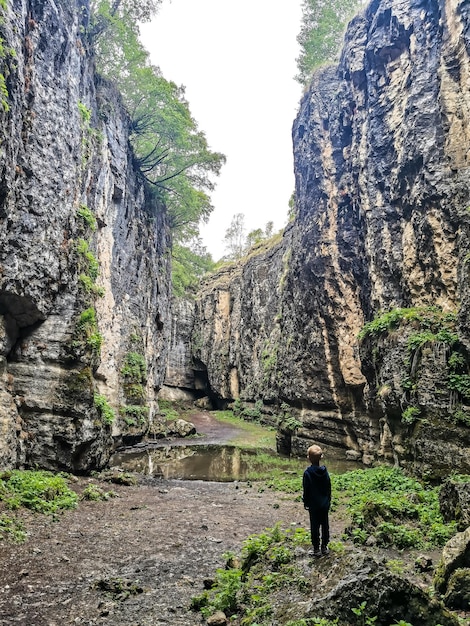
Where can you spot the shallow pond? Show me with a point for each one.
(205, 462)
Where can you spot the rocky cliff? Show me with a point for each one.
(381, 148)
(84, 276)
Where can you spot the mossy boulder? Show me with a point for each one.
(455, 557)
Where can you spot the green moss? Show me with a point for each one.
(134, 392)
(79, 385)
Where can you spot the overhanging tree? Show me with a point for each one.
(172, 153)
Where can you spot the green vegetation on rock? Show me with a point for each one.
(439, 325)
(424, 328)
(4, 52)
(87, 216)
(86, 332)
(134, 375)
(394, 508)
(105, 410)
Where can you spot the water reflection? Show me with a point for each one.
(203, 462)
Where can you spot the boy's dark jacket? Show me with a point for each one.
(316, 488)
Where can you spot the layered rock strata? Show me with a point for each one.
(381, 149)
(84, 276)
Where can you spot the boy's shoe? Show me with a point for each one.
(324, 550)
(317, 553)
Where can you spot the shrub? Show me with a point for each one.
(95, 493)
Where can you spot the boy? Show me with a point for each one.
(317, 499)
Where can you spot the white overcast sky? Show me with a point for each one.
(237, 62)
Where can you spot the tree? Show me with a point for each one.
(171, 152)
(236, 244)
(235, 237)
(105, 11)
(321, 33)
(254, 237)
(189, 264)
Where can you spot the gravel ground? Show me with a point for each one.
(136, 559)
(139, 558)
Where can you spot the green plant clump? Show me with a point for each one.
(87, 216)
(399, 511)
(4, 52)
(94, 493)
(410, 415)
(435, 325)
(134, 367)
(134, 414)
(87, 330)
(11, 528)
(40, 491)
(106, 411)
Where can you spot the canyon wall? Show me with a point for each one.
(84, 264)
(381, 150)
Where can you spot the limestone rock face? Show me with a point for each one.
(382, 164)
(84, 277)
(179, 372)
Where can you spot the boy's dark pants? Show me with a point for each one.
(319, 518)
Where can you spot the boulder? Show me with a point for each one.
(457, 596)
(182, 428)
(357, 578)
(454, 502)
(217, 619)
(455, 556)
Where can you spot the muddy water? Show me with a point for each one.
(203, 462)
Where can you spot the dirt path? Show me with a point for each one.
(209, 431)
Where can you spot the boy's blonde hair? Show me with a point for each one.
(314, 453)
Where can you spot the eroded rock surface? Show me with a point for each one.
(70, 196)
(382, 165)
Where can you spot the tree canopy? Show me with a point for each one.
(321, 33)
(172, 153)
